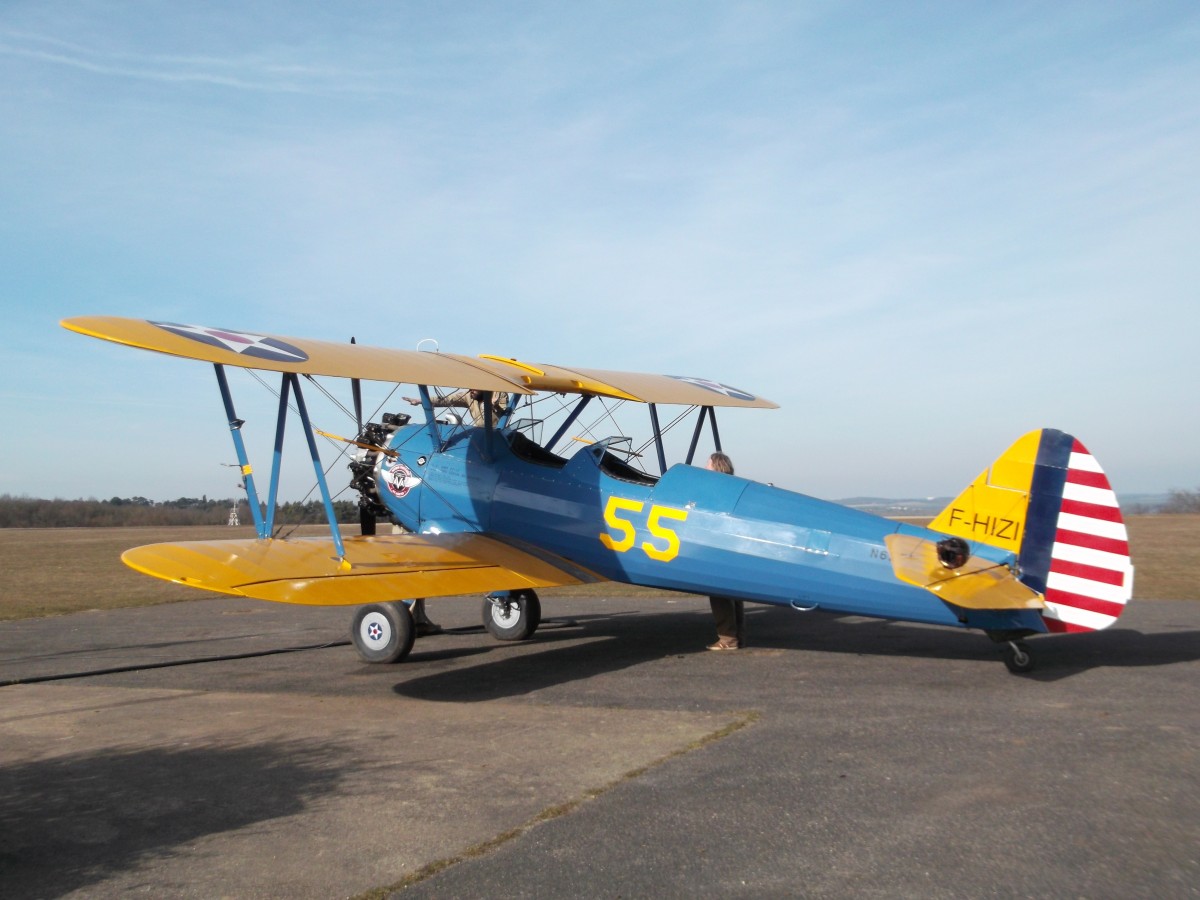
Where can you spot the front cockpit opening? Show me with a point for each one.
(533, 452)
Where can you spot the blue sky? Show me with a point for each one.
(923, 229)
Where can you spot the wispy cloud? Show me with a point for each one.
(254, 73)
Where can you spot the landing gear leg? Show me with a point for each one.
(1017, 657)
(383, 632)
(512, 615)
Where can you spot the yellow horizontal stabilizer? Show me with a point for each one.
(977, 584)
(381, 568)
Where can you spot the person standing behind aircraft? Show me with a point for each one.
(729, 614)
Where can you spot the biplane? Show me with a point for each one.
(491, 503)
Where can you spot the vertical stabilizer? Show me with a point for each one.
(1048, 500)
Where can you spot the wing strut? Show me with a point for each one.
(711, 413)
(316, 458)
(277, 459)
(658, 441)
(239, 446)
(691, 454)
(366, 516)
(264, 526)
(430, 416)
(579, 407)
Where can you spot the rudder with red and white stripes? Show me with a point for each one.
(1075, 550)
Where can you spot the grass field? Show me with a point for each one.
(54, 571)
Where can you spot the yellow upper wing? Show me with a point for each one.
(382, 568)
(488, 373)
(642, 387)
(299, 355)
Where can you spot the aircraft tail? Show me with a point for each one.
(1047, 500)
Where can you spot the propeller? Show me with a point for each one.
(366, 516)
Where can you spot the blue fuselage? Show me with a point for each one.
(690, 530)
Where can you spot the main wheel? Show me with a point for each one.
(383, 632)
(512, 616)
(1017, 657)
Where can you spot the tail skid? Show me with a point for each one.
(1047, 499)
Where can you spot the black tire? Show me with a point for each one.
(1017, 657)
(383, 632)
(512, 617)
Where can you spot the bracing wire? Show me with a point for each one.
(679, 418)
(343, 449)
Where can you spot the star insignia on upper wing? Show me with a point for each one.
(716, 387)
(240, 342)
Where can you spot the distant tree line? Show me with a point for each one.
(1182, 502)
(30, 512)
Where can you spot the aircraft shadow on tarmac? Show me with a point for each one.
(70, 822)
(174, 643)
(1062, 656)
(595, 644)
(1058, 656)
(608, 643)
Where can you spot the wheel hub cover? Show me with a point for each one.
(375, 631)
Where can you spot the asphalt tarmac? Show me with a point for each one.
(611, 756)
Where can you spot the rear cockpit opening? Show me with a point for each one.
(619, 469)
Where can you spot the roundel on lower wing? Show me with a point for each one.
(240, 342)
(716, 387)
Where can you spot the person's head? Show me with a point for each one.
(719, 462)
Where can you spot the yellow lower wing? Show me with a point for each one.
(382, 568)
(978, 584)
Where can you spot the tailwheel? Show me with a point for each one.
(383, 632)
(512, 615)
(1017, 657)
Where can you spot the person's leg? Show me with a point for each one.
(724, 612)
(421, 619)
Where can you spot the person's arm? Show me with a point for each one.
(458, 398)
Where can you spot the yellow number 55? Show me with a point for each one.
(622, 534)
